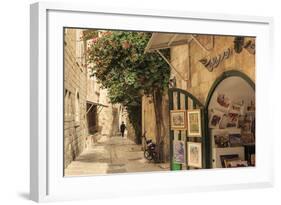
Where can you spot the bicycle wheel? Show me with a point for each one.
(154, 156)
(147, 155)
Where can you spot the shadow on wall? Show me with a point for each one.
(115, 121)
(75, 144)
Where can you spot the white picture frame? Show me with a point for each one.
(194, 128)
(46, 156)
(194, 154)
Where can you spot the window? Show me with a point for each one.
(77, 107)
(92, 118)
(79, 48)
(67, 104)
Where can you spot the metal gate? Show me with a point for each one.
(182, 100)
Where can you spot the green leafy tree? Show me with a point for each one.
(127, 72)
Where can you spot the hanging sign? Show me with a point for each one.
(213, 62)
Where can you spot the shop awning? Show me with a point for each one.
(95, 103)
(99, 105)
(160, 41)
(166, 40)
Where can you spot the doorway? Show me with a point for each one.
(230, 107)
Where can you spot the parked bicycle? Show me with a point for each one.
(150, 149)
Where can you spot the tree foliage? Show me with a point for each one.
(121, 65)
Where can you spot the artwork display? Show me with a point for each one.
(235, 139)
(241, 119)
(236, 108)
(194, 155)
(247, 138)
(247, 123)
(222, 102)
(194, 123)
(216, 118)
(251, 107)
(235, 163)
(178, 119)
(230, 114)
(179, 152)
(224, 158)
(232, 120)
(221, 139)
(224, 121)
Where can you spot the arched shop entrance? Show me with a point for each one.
(230, 108)
(223, 130)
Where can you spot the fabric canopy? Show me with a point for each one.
(166, 40)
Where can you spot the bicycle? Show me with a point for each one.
(150, 150)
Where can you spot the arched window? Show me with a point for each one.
(77, 107)
(67, 104)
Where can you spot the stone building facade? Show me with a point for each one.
(191, 75)
(88, 114)
(75, 94)
(185, 58)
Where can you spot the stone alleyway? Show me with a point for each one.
(112, 155)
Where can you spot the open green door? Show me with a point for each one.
(182, 100)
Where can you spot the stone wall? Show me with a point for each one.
(93, 88)
(200, 79)
(130, 130)
(192, 76)
(108, 117)
(75, 88)
(80, 86)
(123, 117)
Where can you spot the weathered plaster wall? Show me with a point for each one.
(108, 117)
(130, 130)
(75, 131)
(201, 79)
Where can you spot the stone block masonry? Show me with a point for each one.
(197, 78)
(201, 79)
(80, 89)
(75, 88)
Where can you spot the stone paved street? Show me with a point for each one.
(112, 155)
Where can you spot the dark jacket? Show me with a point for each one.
(122, 127)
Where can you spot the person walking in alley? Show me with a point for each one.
(122, 128)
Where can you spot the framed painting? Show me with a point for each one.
(194, 154)
(66, 121)
(179, 152)
(194, 123)
(178, 119)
